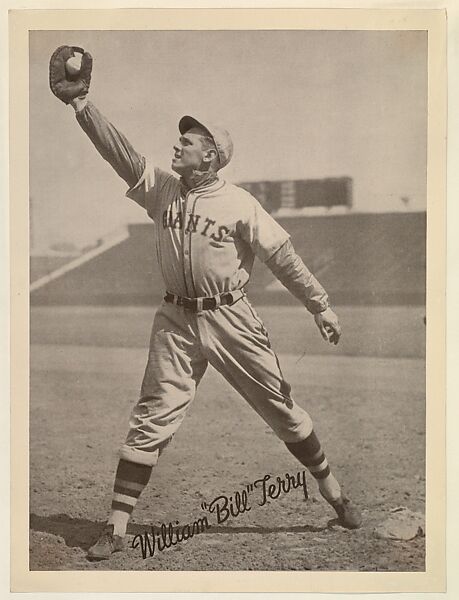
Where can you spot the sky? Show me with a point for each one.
(298, 104)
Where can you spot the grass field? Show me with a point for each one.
(366, 397)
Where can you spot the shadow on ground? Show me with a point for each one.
(81, 533)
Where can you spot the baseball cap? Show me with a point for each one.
(221, 137)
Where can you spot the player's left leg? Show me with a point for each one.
(237, 345)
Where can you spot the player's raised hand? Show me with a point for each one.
(69, 77)
(328, 325)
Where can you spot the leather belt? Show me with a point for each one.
(209, 303)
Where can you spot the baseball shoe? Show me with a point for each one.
(349, 515)
(106, 545)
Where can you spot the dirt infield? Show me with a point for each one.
(368, 408)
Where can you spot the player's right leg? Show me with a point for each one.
(237, 345)
(174, 368)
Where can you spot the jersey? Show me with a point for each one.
(207, 237)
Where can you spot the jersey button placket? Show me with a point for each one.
(187, 247)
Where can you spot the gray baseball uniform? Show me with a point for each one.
(206, 242)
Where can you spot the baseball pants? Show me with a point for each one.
(235, 342)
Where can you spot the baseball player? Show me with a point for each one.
(207, 234)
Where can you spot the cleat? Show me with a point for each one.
(106, 545)
(349, 515)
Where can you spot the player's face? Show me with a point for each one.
(188, 152)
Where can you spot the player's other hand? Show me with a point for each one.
(328, 325)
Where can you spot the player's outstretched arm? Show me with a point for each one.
(291, 271)
(71, 86)
(111, 144)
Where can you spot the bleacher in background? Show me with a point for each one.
(359, 258)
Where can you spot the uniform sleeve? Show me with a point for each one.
(291, 271)
(111, 144)
(261, 231)
(144, 180)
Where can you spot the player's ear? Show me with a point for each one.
(209, 155)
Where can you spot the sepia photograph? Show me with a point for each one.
(227, 299)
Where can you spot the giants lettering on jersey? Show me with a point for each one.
(195, 224)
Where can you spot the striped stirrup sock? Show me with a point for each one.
(130, 480)
(310, 454)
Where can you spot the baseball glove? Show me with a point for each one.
(63, 85)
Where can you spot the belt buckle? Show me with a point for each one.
(212, 303)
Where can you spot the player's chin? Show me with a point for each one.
(176, 165)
